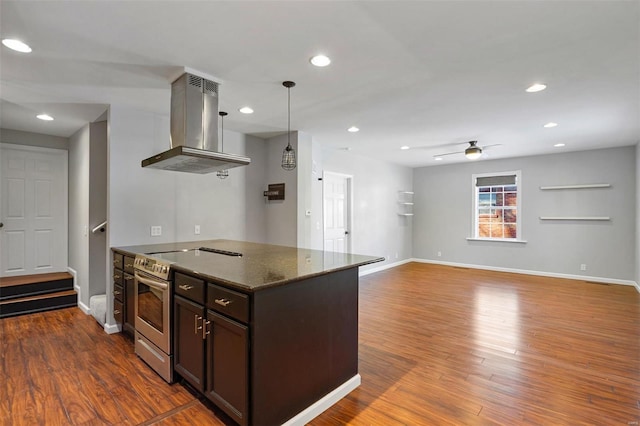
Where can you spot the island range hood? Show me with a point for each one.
(194, 130)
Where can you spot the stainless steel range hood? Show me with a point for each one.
(194, 130)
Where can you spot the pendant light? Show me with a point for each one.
(289, 154)
(473, 152)
(222, 174)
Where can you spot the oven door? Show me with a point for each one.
(153, 306)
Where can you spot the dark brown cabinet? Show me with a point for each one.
(123, 292)
(189, 341)
(211, 350)
(227, 366)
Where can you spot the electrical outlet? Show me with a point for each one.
(156, 231)
(583, 266)
(439, 254)
(196, 229)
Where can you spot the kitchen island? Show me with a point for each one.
(267, 333)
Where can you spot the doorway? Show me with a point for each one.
(33, 210)
(337, 203)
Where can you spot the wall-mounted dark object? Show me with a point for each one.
(275, 192)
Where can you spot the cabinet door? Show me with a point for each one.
(129, 304)
(227, 366)
(188, 341)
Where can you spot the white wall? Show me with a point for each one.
(33, 139)
(79, 148)
(176, 201)
(281, 215)
(378, 229)
(97, 199)
(443, 218)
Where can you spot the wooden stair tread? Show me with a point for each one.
(39, 297)
(32, 279)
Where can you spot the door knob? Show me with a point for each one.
(346, 232)
(1, 224)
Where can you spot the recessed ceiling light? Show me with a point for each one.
(45, 117)
(246, 110)
(16, 45)
(353, 129)
(404, 147)
(550, 124)
(559, 145)
(320, 60)
(536, 87)
(438, 158)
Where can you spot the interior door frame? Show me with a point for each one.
(65, 196)
(349, 206)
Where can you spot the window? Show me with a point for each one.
(497, 206)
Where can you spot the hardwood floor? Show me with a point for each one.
(438, 345)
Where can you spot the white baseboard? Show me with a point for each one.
(318, 407)
(84, 308)
(111, 328)
(74, 274)
(364, 272)
(637, 285)
(603, 280)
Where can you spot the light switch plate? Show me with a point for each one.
(156, 231)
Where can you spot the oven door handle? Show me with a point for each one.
(152, 283)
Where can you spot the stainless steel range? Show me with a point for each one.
(153, 290)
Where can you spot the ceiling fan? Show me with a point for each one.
(472, 152)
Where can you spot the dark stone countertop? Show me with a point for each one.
(261, 265)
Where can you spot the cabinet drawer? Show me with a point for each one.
(118, 313)
(128, 264)
(118, 260)
(228, 302)
(118, 293)
(189, 287)
(118, 276)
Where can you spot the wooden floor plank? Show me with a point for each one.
(438, 345)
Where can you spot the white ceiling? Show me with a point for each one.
(427, 74)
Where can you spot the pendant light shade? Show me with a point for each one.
(222, 174)
(473, 152)
(289, 154)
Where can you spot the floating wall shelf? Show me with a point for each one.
(405, 203)
(586, 186)
(575, 218)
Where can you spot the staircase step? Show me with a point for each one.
(31, 285)
(38, 303)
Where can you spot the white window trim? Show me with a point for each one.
(474, 216)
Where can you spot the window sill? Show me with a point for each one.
(498, 240)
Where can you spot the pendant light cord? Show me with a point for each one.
(288, 117)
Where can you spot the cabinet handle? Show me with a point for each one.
(128, 278)
(223, 302)
(128, 265)
(196, 318)
(204, 329)
(116, 292)
(116, 277)
(116, 312)
(185, 287)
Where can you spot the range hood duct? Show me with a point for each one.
(194, 130)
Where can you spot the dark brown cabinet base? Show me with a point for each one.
(266, 356)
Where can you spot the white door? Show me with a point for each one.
(33, 210)
(337, 210)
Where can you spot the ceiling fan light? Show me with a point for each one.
(473, 152)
